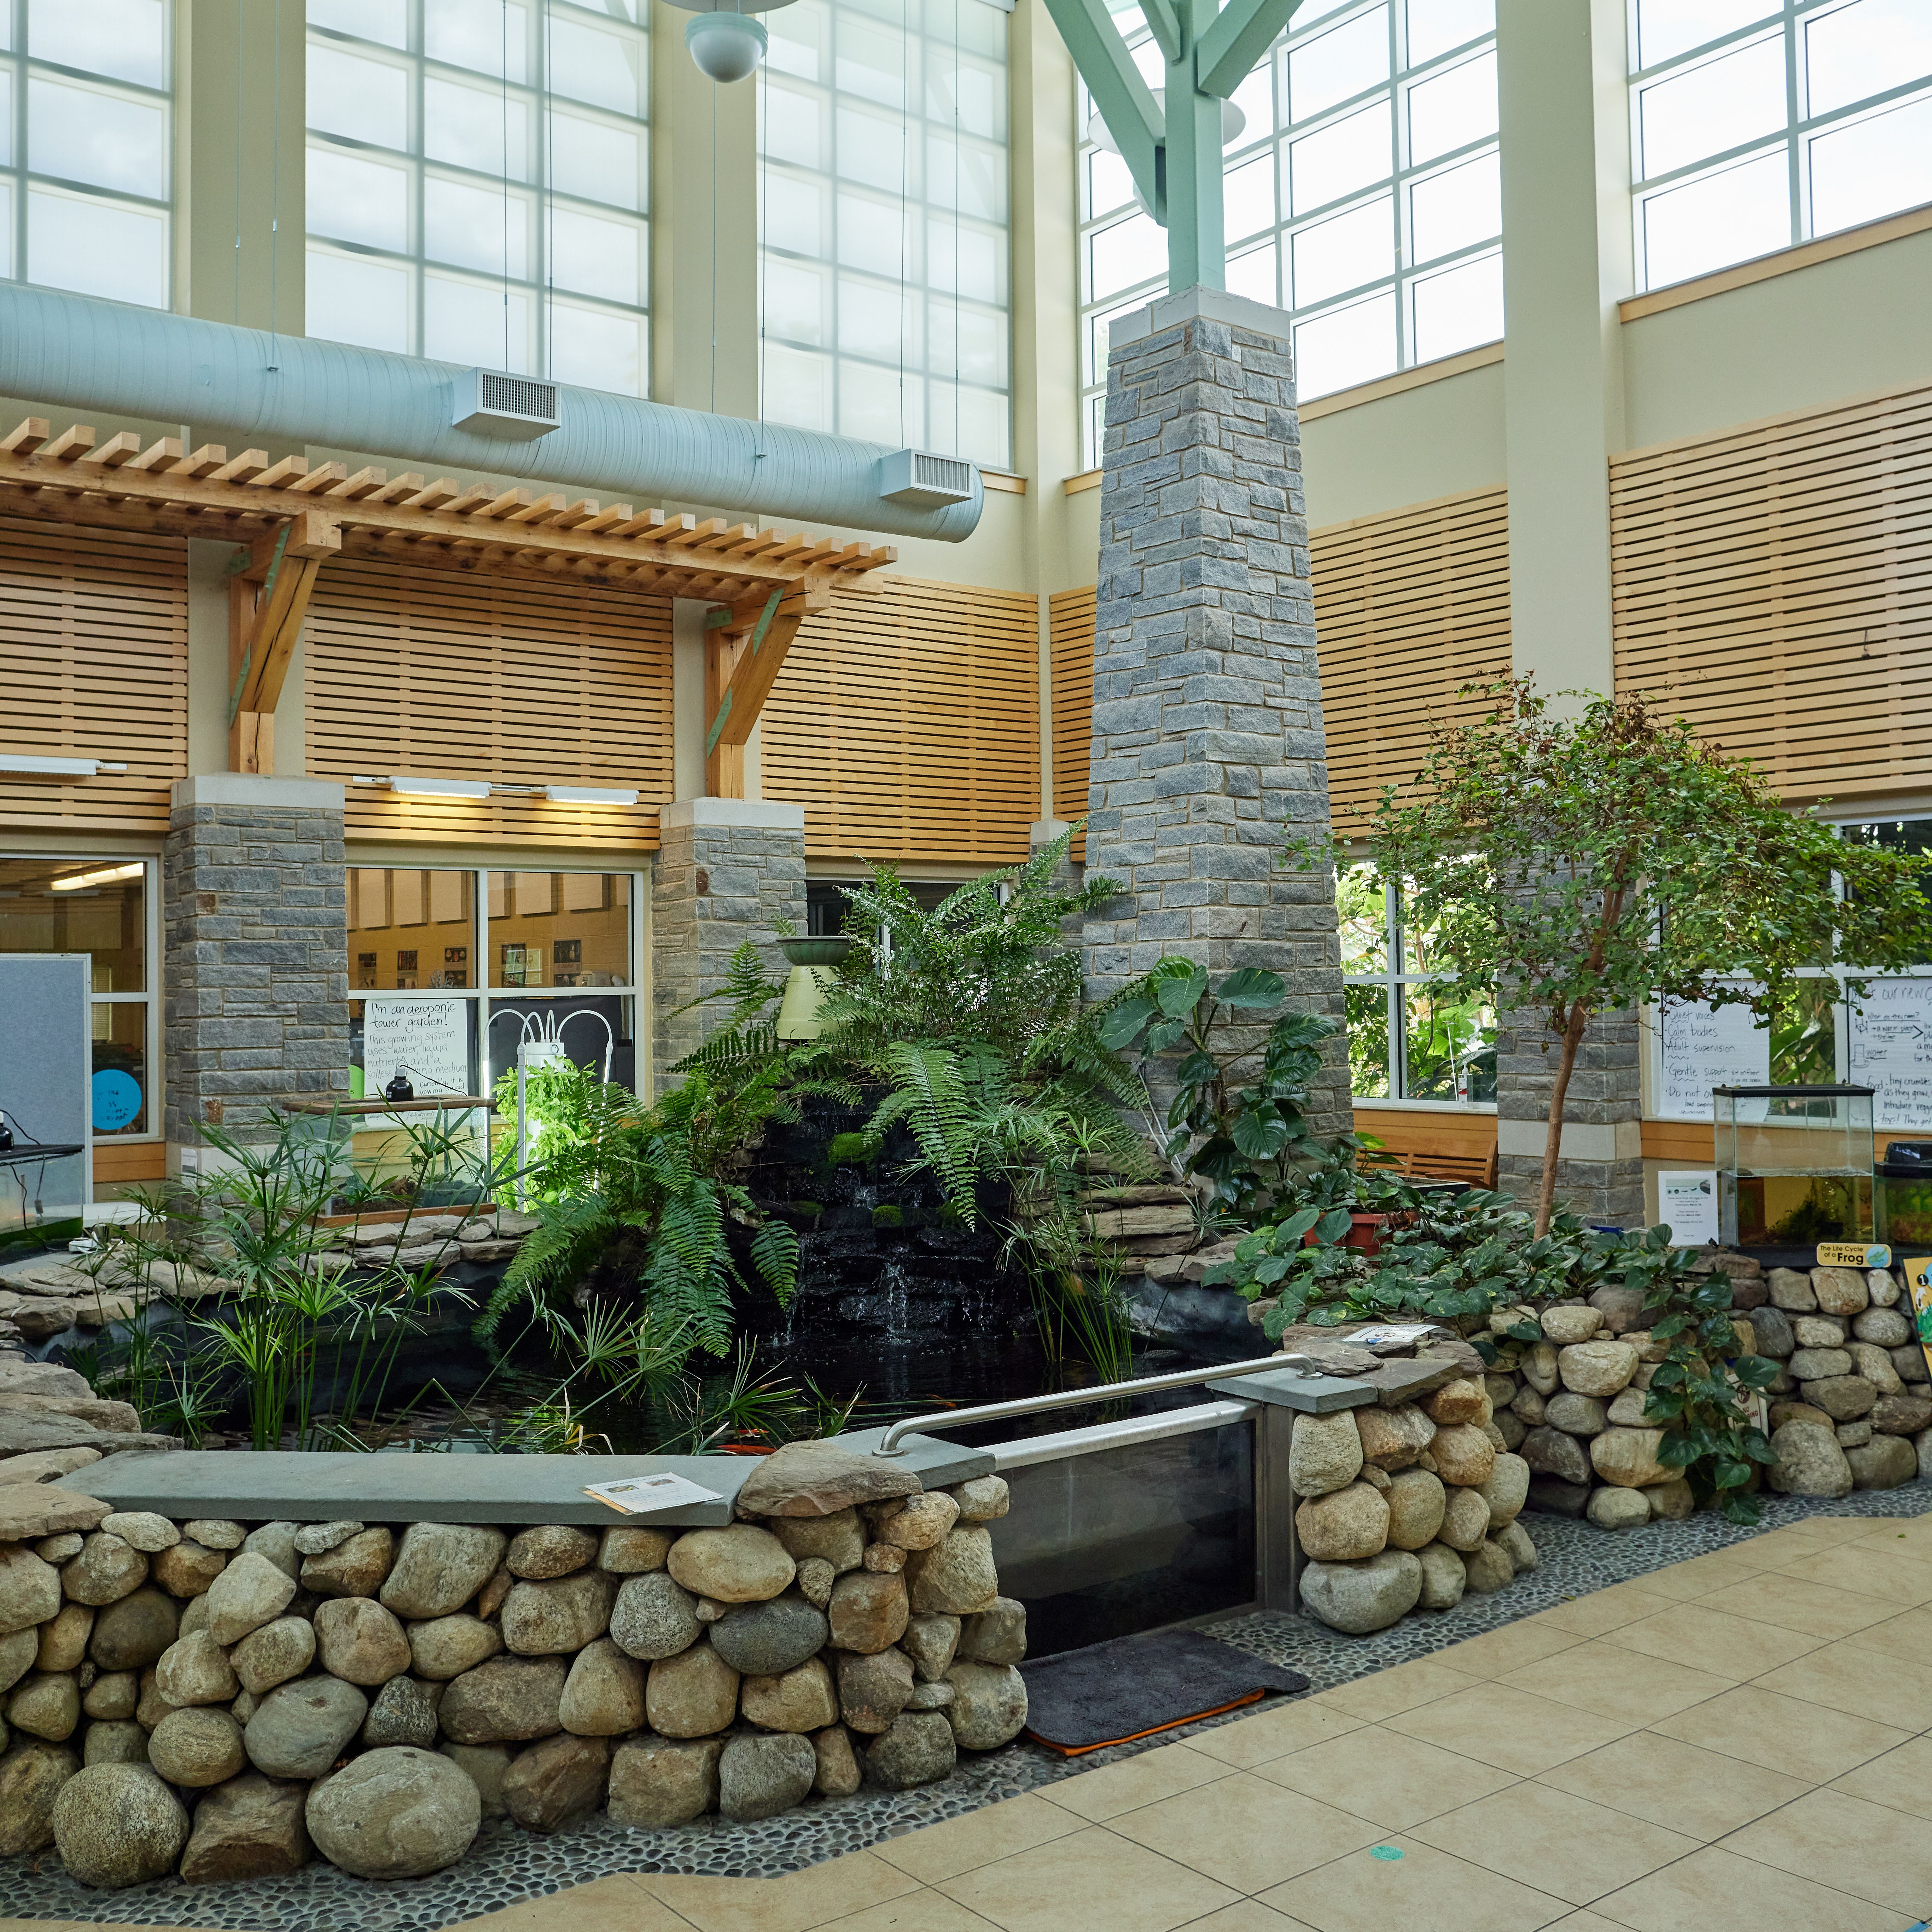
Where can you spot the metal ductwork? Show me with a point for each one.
(118, 360)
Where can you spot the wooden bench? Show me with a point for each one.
(1479, 1170)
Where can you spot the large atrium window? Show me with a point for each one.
(1755, 127)
(86, 147)
(1363, 195)
(1412, 1035)
(479, 184)
(882, 223)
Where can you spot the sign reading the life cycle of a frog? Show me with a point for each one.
(1889, 1048)
(426, 1041)
(1704, 1047)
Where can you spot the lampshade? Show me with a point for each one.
(727, 46)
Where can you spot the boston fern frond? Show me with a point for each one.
(930, 1097)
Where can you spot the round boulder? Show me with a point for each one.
(1416, 1501)
(1361, 1597)
(741, 1564)
(1883, 1463)
(439, 1567)
(1597, 1368)
(1488, 1567)
(1627, 1457)
(1507, 1490)
(1614, 1507)
(118, 1825)
(1575, 1414)
(273, 1654)
(762, 1773)
(1515, 1539)
(396, 1813)
(135, 1632)
(764, 1640)
(917, 1747)
(1325, 1454)
(604, 1695)
(1464, 1454)
(446, 1647)
(1466, 1518)
(989, 1705)
(803, 1698)
(1344, 1526)
(299, 1729)
(1885, 1327)
(359, 1641)
(30, 1589)
(106, 1570)
(1808, 1462)
(195, 1670)
(550, 1550)
(1443, 1578)
(197, 1747)
(654, 1616)
(691, 1695)
(30, 1778)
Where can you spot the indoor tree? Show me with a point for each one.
(1571, 865)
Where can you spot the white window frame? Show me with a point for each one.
(151, 997)
(16, 67)
(1789, 19)
(1393, 980)
(491, 1066)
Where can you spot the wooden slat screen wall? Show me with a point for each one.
(1070, 615)
(1409, 606)
(93, 664)
(1774, 585)
(908, 725)
(445, 675)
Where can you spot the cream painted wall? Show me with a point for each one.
(1437, 440)
(1858, 324)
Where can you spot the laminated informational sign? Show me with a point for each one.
(1854, 1254)
(631, 1494)
(426, 1041)
(1889, 1049)
(1706, 1046)
(1687, 1204)
(1921, 1292)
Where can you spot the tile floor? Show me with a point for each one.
(1742, 1742)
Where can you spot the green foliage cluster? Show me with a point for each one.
(1236, 1118)
(1574, 865)
(1461, 1260)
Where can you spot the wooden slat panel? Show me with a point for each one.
(908, 725)
(1408, 607)
(93, 664)
(1071, 619)
(443, 676)
(1774, 585)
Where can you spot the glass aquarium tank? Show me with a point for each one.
(1794, 1165)
(1904, 1196)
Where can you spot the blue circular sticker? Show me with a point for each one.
(117, 1100)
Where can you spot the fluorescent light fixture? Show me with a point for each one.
(21, 764)
(75, 881)
(406, 787)
(588, 795)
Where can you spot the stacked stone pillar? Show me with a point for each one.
(255, 964)
(728, 869)
(1208, 754)
(1599, 1169)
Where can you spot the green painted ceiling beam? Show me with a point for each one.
(1175, 158)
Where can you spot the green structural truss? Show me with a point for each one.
(1173, 148)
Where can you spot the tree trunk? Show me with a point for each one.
(1573, 1039)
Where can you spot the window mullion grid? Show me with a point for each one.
(1398, 102)
(417, 160)
(1796, 104)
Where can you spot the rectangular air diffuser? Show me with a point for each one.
(493, 404)
(924, 482)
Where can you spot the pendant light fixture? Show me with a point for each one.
(726, 41)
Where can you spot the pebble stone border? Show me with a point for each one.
(507, 1866)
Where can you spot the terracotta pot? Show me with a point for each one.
(1365, 1233)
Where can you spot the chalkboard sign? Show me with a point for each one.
(1890, 1050)
(1706, 1047)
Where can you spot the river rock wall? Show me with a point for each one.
(228, 1699)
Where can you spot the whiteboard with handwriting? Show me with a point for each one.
(1891, 1050)
(1706, 1047)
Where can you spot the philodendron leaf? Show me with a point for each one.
(1251, 987)
(1261, 1133)
(1296, 1224)
(1165, 1035)
(1120, 1026)
(1178, 996)
(1333, 1226)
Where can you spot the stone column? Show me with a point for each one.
(1600, 1170)
(1208, 752)
(255, 953)
(728, 870)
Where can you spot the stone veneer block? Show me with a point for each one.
(1600, 1174)
(1208, 754)
(728, 869)
(255, 951)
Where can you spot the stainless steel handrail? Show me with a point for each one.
(1032, 1405)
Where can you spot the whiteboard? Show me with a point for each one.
(426, 1041)
(1890, 1049)
(1706, 1047)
